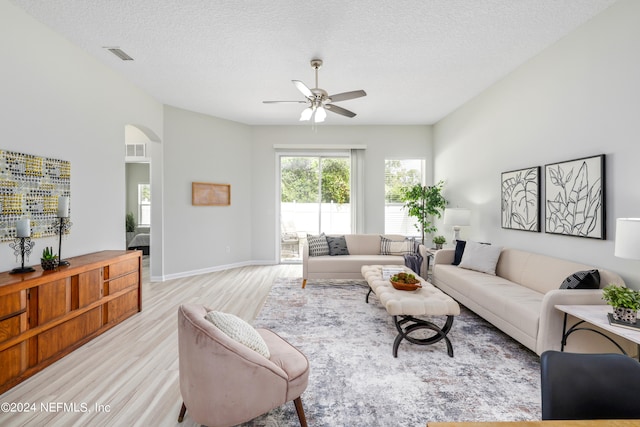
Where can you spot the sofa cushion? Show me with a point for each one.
(586, 279)
(318, 245)
(351, 263)
(395, 247)
(337, 245)
(238, 330)
(515, 304)
(480, 257)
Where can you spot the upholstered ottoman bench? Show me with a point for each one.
(405, 305)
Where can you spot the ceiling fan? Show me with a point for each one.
(319, 101)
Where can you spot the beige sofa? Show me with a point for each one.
(520, 298)
(364, 249)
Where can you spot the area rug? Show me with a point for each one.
(355, 380)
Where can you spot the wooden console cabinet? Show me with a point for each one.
(45, 315)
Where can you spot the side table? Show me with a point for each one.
(595, 315)
(430, 253)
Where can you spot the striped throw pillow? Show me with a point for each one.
(318, 245)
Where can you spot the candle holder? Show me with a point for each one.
(22, 246)
(63, 227)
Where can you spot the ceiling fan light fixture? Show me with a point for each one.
(318, 100)
(306, 114)
(321, 114)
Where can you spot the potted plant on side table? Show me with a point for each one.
(49, 261)
(625, 302)
(439, 241)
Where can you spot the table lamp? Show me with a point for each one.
(627, 238)
(457, 217)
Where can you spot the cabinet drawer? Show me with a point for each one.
(12, 327)
(58, 339)
(13, 361)
(13, 304)
(122, 307)
(124, 282)
(123, 267)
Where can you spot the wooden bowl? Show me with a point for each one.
(405, 286)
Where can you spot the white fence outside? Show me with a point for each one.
(300, 219)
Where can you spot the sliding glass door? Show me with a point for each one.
(315, 197)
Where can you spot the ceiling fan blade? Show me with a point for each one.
(284, 102)
(303, 88)
(340, 110)
(347, 95)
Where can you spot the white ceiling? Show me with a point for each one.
(418, 60)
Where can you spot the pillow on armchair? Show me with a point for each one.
(239, 330)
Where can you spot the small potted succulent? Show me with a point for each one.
(49, 261)
(439, 241)
(625, 302)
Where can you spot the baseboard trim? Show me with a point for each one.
(212, 269)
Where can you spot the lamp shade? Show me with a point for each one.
(628, 238)
(321, 114)
(457, 216)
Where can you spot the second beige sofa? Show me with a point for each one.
(364, 249)
(520, 299)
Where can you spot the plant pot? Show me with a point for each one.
(438, 246)
(626, 315)
(48, 264)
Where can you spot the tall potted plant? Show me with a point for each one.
(424, 203)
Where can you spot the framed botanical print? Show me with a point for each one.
(520, 199)
(575, 198)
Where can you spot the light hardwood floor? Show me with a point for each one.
(128, 376)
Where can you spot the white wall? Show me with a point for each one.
(200, 148)
(578, 98)
(383, 142)
(59, 102)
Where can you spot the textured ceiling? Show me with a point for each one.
(418, 60)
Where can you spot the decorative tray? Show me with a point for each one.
(401, 286)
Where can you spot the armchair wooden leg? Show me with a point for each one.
(300, 411)
(183, 410)
(304, 283)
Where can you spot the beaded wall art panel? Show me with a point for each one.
(29, 188)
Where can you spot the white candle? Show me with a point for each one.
(23, 227)
(63, 206)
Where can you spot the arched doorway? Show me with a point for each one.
(143, 206)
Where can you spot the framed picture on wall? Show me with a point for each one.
(520, 199)
(574, 198)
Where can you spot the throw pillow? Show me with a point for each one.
(318, 245)
(589, 279)
(337, 245)
(457, 256)
(239, 330)
(480, 257)
(395, 247)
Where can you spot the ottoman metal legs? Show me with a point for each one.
(407, 324)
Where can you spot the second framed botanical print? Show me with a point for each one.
(574, 198)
